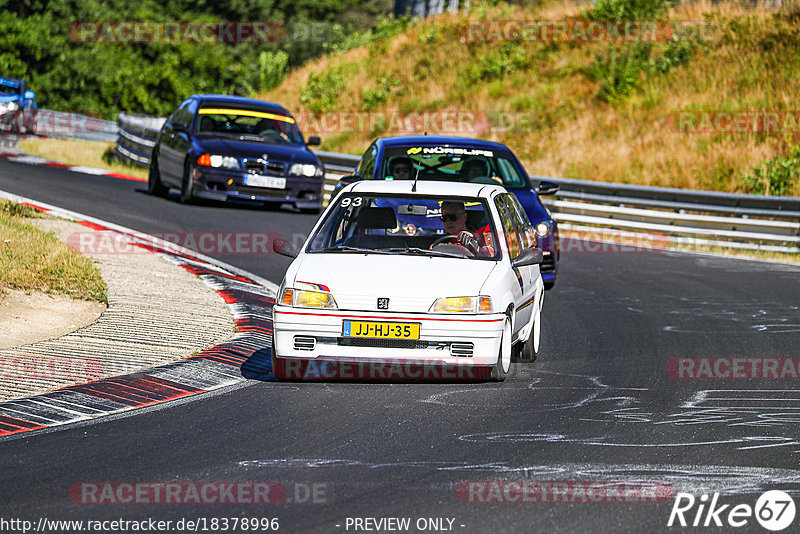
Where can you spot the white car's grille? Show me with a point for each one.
(304, 343)
(396, 303)
(462, 349)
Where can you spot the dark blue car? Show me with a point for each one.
(233, 148)
(432, 157)
(18, 110)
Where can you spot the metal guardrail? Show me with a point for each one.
(137, 136)
(681, 216)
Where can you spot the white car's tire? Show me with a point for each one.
(278, 365)
(528, 350)
(503, 365)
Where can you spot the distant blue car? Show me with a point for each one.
(459, 159)
(18, 110)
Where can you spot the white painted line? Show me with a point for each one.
(88, 170)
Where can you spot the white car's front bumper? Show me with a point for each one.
(445, 339)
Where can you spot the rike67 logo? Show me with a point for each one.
(774, 510)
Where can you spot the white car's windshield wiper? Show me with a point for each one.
(427, 252)
(345, 248)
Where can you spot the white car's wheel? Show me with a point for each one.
(278, 365)
(529, 349)
(503, 365)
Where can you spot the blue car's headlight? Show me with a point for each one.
(9, 106)
(543, 229)
(305, 169)
(217, 161)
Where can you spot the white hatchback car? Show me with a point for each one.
(436, 273)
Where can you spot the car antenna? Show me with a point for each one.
(416, 176)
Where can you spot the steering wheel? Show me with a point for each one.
(444, 239)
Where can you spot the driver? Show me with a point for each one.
(476, 168)
(454, 218)
(401, 168)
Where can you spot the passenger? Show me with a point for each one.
(401, 168)
(207, 124)
(477, 168)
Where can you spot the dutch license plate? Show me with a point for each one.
(258, 180)
(380, 330)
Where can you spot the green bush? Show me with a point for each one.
(374, 97)
(621, 69)
(322, 91)
(271, 69)
(498, 64)
(629, 9)
(778, 176)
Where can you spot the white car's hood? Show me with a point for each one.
(411, 283)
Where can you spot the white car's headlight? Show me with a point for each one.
(303, 298)
(479, 304)
(305, 169)
(542, 229)
(217, 161)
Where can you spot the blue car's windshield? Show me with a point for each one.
(8, 89)
(452, 164)
(418, 225)
(271, 127)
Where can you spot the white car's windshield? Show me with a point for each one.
(415, 225)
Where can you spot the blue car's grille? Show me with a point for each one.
(548, 264)
(259, 166)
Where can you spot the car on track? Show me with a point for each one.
(18, 109)
(234, 148)
(460, 159)
(362, 289)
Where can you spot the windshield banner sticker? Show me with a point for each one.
(456, 151)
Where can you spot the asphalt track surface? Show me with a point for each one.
(598, 404)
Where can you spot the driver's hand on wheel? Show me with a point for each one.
(466, 239)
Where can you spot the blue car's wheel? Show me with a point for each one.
(187, 185)
(154, 184)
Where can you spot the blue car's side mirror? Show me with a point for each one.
(29, 95)
(546, 187)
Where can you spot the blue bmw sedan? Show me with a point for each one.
(460, 159)
(234, 148)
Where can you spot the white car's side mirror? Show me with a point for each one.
(284, 248)
(529, 256)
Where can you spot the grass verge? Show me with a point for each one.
(78, 152)
(32, 259)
